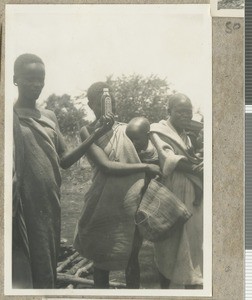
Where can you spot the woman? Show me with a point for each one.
(179, 258)
(106, 227)
(39, 152)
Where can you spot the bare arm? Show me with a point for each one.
(116, 168)
(68, 158)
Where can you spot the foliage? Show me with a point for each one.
(135, 95)
(71, 117)
(140, 96)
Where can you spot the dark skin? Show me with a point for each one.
(116, 168)
(132, 272)
(100, 158)
(138, 132)
(180, 117)
(30, 82)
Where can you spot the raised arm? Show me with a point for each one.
(99, 157)
(68, 158)
(171, 161)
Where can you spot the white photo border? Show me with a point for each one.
(215, 12)
(207, 287)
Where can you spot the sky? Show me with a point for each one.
(81, 44)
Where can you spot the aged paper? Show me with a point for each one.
(227, 8)
(230, 264)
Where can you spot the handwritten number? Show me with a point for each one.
(237, 26)
(230, 27)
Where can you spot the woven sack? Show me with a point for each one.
(160, 212)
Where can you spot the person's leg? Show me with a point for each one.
(101, 279)
(132, 272)
(164, 282)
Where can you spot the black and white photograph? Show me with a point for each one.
(231, 4)
(108, 160)
(227, 8)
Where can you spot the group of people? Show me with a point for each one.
(123, 157)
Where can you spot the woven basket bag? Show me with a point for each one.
(160, 212)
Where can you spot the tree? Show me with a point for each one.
(140, 96)
(70, 116)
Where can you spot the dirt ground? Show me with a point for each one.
(75, 183)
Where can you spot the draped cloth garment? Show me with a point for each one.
(40, 195)
(106, 227)
(21, 267)
(180, 257)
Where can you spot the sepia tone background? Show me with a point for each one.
(228, 152)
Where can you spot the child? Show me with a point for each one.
(138, 132)
(105, 231)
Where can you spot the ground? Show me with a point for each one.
(75, 182)
(230, 4)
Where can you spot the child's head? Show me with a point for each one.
(138, 132)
